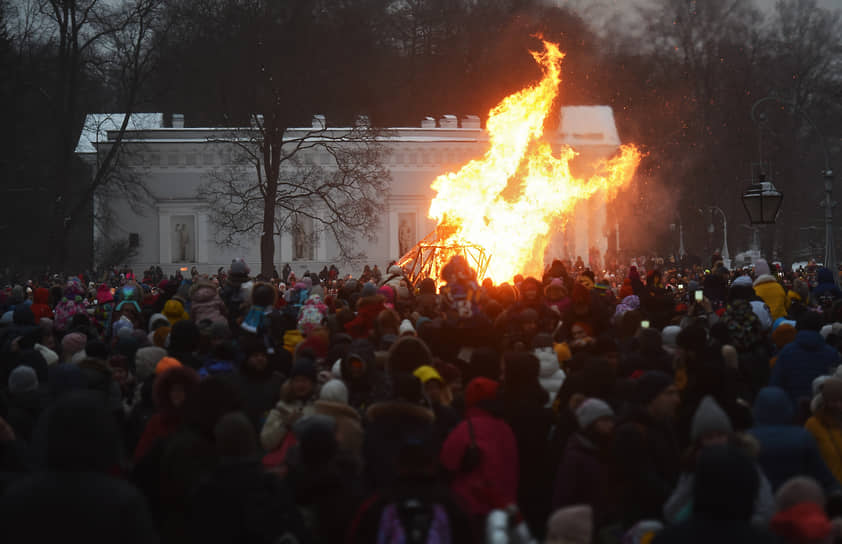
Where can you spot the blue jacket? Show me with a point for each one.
(786, 450)
(801, 362)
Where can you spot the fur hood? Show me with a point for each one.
(336, 410)
(203, 291)
(401, 410)
(764, 278)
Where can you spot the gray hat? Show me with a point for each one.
(145, 360)
(23, 379)
(591, 410)
(709, 418)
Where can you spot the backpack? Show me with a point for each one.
(413, 521)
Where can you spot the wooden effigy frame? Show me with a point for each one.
(431, 254)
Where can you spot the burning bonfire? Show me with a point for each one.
(500, 211)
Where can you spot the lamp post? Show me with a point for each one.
(827, 176)
(726, 258)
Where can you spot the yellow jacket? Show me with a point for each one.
(773, 294)
(829, 440)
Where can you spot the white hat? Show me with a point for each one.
(592, 410)
(406, 328)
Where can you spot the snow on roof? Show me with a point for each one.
(97, 125)
(588, 125)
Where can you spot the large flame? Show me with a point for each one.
(509, 201)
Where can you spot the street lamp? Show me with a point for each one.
(762, 201)
(827, 176)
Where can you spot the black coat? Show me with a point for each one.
(240, 502)
(648, 462)
(74, 507)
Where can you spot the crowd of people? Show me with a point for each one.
(656, 403)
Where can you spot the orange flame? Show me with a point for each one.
(515, 231)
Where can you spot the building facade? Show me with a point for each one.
(172, 227)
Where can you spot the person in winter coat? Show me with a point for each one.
(298, 394)
(205, 303)
(767, 288)
(711, 426)
(526, 412)
(723, 502)
(826, 292)
(786, 450)
(586, 472)
(646, 449)
(74, 497)
(333, 402)
(71, 304)
(801, 516)
(325, 481)
(389, 423)
(172, 388)
(41, 303)
(550, 374)
(263, 503)
(826, 425)
(367, 384)
(481, 453)
(25, 401)
(257, 383)
(369, 306)
(805, 359)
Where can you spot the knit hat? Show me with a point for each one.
(23, 379)
(571, 525)
(427, 373)
(8, 318)
(316, 436)
(798, 490)
(591, 410)
(742, 281)
(239, 269)
(369, 290)
(669, 336)
(761, 267)
(407, 354)
(165, 364)
(334, 391)
(146, 359)
(709, 418)
(158, 320)
(650, 385)
(479, 390)
(406, 328)
(303, 367)
(73, 343)
(174, 311)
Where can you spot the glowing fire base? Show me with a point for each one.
(431, 254)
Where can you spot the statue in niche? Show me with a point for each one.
(404, 237)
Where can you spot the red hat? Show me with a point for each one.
(480, 389)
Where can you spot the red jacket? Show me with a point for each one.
(494, 483)
(41, 304)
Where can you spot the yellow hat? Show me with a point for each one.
(427, 373)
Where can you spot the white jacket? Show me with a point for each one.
(550, 374)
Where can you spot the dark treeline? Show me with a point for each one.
(682, 86)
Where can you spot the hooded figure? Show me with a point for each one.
(723, 502)
(171, 389)
(77, 441)
(205, 303)
(826, 292)
(766, 287)
(41, 303)
(805, 359)
(366, 383)
(786, 450)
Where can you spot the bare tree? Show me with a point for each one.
(87, 40)
(334, 178)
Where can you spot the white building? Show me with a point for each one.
(175, 230)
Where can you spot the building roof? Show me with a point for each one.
(97, 125)
(581, 126)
